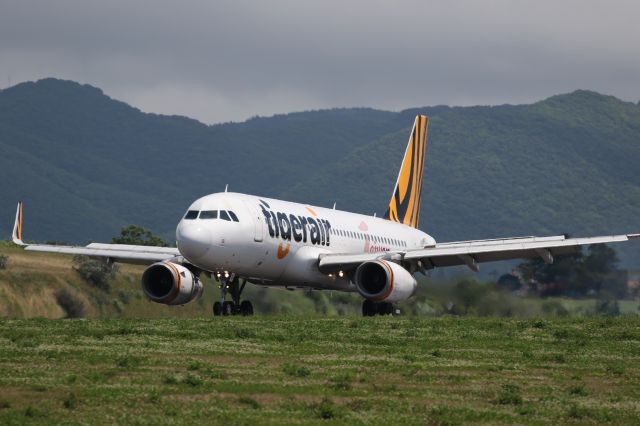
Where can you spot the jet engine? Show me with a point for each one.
(380, 280)
(171, 284)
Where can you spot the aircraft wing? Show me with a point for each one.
(471, 253)
(123, 253)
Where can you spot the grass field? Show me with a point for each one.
(293, 370)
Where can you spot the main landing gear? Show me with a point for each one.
(234, 306)
(371, 308)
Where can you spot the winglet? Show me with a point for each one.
(17, 226)
(404, 206)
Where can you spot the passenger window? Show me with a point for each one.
(191, 214)
(209, 214)
(233, 216)
(224, 215)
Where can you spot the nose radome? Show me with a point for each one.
(193, 239)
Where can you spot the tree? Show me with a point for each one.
(509, 282)
(576, 274)
(139, 236)
(558, 277)
(96, 272)
(598, 271)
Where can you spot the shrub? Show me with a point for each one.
(192, 380)
(195, 366)
(127, 362)
(71, 401)
(575, 412)
(169, 379)
(250, 402)
(35, 412)
(608, 307)
(342, 382)
(554, 308)
(327, 409)
(95, 272)
(578, 390)
(3, 261)
(213, 374)
(295, 371)
(119, 307)
(70, 304)
(509, 394)
(154, 396)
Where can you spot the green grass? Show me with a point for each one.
(298, 370)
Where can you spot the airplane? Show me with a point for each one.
(239, 238)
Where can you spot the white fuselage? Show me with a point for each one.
(278, 243)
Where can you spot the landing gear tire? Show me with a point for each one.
(246, 308)
(217, 309)
(228, 308)
(368, 308)
(234, 287)
(385, 308)
(371, 308)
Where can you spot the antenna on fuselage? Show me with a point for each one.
(226, 187)
(334, 205)
(375, 214)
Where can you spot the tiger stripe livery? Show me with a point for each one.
(404, 206)
(17, 227)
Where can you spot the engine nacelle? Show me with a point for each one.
(379, 280)
(171, 284)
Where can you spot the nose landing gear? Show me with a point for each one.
(234, 306)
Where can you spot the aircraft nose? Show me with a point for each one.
(193, 239)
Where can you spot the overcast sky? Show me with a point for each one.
(229, 60)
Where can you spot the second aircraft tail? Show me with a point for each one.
(404, 206)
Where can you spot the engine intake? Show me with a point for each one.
(379, 280)
(171, 284)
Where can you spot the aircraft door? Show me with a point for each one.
(258, 222)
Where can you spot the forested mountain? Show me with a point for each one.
(87, 165)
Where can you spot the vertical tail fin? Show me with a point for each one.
(17, 226)
(404, 206)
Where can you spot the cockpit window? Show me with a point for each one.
(224, 215)
(209, 214)
(191, 214)
(233, 216)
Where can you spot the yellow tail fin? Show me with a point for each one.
(17, 226)
(404, 206)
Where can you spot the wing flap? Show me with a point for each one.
(472, 252)
(136, 254)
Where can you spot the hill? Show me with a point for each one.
(86, 164)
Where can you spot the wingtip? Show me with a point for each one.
(633, 236)
(17, 226)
